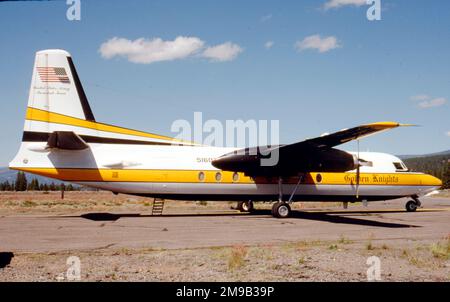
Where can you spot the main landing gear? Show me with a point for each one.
(282, 209)
(412, 205)
(245, 206)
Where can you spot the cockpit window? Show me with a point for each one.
(399, 166)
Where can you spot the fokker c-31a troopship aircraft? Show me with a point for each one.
(62, 140)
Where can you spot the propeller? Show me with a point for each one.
(357, 172)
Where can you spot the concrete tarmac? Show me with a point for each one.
(385, 221)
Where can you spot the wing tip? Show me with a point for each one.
(390, 125)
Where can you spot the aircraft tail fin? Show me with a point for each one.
(57, 103)
(55, 90)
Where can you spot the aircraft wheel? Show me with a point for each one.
(245, 206)
(281, 210)
(411, 206)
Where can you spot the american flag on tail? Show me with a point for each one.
(53, 75)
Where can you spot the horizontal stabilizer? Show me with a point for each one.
(66, 140)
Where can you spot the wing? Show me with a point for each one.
(316, 154)
(346, 135)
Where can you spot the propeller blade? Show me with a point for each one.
(357, 173)
(357, 180)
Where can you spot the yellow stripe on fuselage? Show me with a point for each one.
(34, 114)
(192, 176)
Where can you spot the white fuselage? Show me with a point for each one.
(175, 172)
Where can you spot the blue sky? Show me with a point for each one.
(394, 69)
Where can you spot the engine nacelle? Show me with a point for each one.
(289, 163)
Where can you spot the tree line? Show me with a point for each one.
(22, 184)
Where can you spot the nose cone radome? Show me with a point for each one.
(438, 182)
(434, 181)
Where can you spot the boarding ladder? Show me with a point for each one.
(158, 206)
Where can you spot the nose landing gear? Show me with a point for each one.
(412, 205)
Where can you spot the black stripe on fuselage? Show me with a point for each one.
(29, 136)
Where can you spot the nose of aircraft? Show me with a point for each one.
(434, 181)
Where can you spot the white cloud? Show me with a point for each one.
(316, 42)
(339, 3)
(266, 18)
(268, 44)
(448, 133)
(420, 97)
(433, 103)
(149, 51)
(146, 51)
(222, 52)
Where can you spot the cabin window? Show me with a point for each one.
(218, 176)
(201, 176)
(319, 178)
(235, 176)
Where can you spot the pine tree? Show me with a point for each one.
(34, 185)
(21, 182)
(37, 184)
(30, 185)
(24, 182)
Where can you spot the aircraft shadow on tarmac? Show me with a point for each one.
(331, 217)
(5, 258)
(325, 216)
(114, 217)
